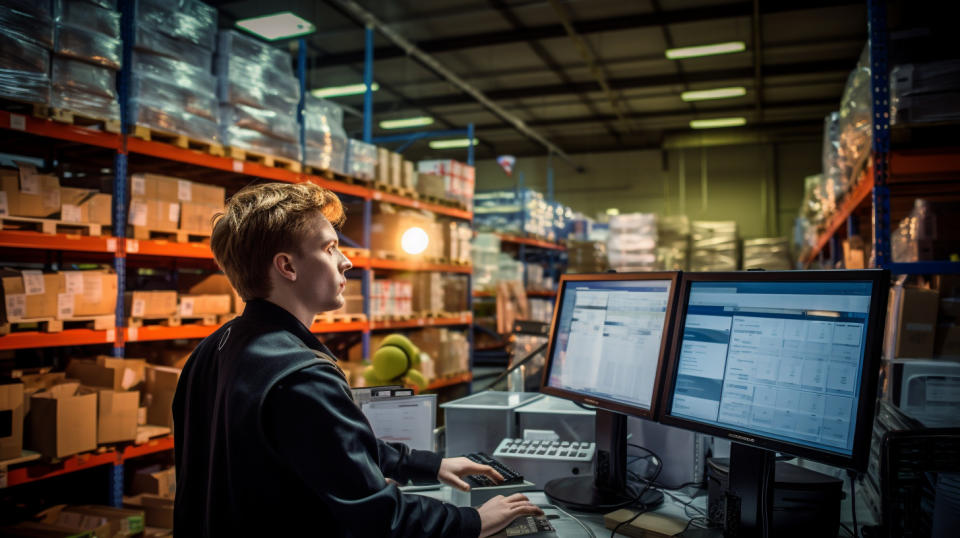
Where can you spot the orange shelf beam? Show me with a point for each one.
(80, 462)
(541, 293)
(69, 337)
(853, 200)
(339, 327)
(464, 319)
(405, 265)
(171, 249)
(71, 242)
(60, 131)
(153, 333)
(417, 204)
(531, 242)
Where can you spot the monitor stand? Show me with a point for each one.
(606, 490)
(751, 491)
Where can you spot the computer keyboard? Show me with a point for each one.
(510, 476)
(546, 450)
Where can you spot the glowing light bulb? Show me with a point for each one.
(414, 240)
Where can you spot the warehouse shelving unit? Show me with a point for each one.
(885, 167)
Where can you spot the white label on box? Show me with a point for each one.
(184, 190)
(238, 166)
(138, 186)
(133, 246)
(139, 305)
(33, 282)
(111, 335)
(18, 122)
(186, 306)
(377, 195)
(4, 207)
(133, 333)
(112, 244)
(29, 181)
(138, 213)
(51, 199)
(174, 213)
(64, 305)
(16, 306)
(74, 281)
(93, 292)
(129, 377)
(71, 213)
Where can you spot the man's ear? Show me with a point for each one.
(283, 264)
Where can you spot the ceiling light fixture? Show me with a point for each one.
(706, 50)
(282, 25)
(452, 143)
(414, 240)
(419, 121)
(718, 122)
(341, 91)
(716, 93)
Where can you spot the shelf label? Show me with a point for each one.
(139, 305)
(18, 122)
(133, 334)
(4, 208)
(238, 166)
(184, 190)
(16, 306)
(133, 246)
(377, 195)
(71, 213)
(111, 335)
(186, 306)
(74, 281)
(138, 186)
(94, 291)
(29, 181)
(421, 322)
(33, 282)
(51, 199)
(416, 204)
(138, 213)
(112, 244)
(174, 213)
(64, 305)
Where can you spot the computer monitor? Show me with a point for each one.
(608, 340)
(782, 361)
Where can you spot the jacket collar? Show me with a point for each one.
(262, 311)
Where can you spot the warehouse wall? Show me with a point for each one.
(759, 186)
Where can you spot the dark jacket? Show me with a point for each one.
(269, 442)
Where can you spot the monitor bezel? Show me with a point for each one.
(604, 403)
(879, 280)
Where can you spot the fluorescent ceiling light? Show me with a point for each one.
(452, 143)
(706, 50)
(717, 122)
(717, 93)
(340, 91)
(419, 121)
(277, 26)
(613, 211)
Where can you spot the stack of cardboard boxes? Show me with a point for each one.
(63, 295)
(154, 489)
(172, 204)
(27, 193)
(394, 171)
(86, 521)
(458, 178)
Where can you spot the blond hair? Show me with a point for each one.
(262, 220)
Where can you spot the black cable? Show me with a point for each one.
(853, 503)
(646, 488)
(517, 364)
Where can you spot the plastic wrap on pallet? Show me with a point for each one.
(714, 246)
(24, 69)
(233, 44)
(326, 140)
(855, 124)
(631, 245)
(158, 93)
(361, 159)
(927, 92)
(172, 120)
(152, 41)
(833, 172)
(184, 20)
(245, 82)
(86, 15)
(84, 88)
(26, 20)
(187, 76)
(250, 140)
(269, 122)
(771, 253)
(83, 44)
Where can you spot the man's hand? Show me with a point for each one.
(499, 511)
(451, 469)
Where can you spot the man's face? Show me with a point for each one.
(320, 267)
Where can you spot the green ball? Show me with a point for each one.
(390, 362)
(403, 343)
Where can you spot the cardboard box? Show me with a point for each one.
(947, 342)
(155, 481)
(61, 516)
(854, 253)
(219, 284)
(85, 206)
(408, 178)
(123, 521)
(87, 293)
(11, 421)
(210, 195)
(29, 294)
(154, 214)
(63, 421)
(198, 217)
(174, 189)
(383, 166)
(430, 185)
(161, 384)
(911, 320)
(204, 305)
(117, 415)
(34, 383)
(147, 304)
(158, 511)
(28, 194)
(107, 372)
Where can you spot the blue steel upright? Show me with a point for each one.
(366, 282)
(880, 93)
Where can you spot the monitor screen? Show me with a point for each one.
(783, 360)
(608, 337)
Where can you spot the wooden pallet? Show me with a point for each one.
(205, 319)
(336, 176)
(395, 189)
(148, 321)
(339, 318)
(27, 109)
(84, 120)
(52, 226)
(271, 161)
(177, 236)
(179, 140)
(394, 317)
(52, 325)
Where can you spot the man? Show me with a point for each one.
(268, 441)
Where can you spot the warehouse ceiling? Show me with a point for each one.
(534, 59)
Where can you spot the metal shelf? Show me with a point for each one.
(854, 199)
(79, 462)
(539, 243)
(409, 265)
(339, 327)
(60, 131)
(417, 204)
(68, 337)
(465, 318)
(169, 249)
(68, 242)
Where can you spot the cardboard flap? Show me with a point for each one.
(63, 390)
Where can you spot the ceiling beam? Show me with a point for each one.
(584, 27)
